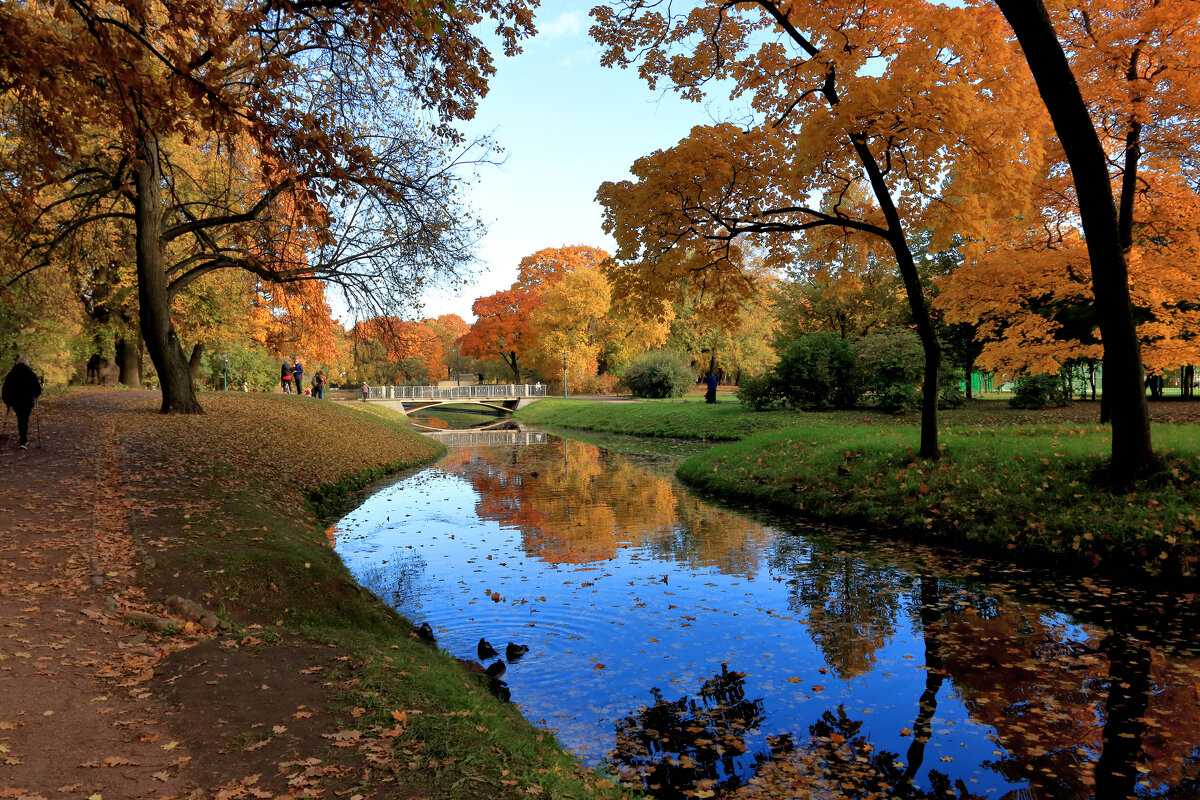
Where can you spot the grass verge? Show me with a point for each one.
(235, 524)
(686, 417)
(1008, 483)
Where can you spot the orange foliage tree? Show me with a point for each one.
(920, 143)
(1127, 88)
(106, 93)
(385, 349)
(503, 329)
(1032, 282)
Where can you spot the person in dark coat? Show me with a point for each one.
(711, 395)
(298, 377)
(21, 391)
(285, 378)
(318, 385)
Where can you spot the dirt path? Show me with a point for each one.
(93, 703)
(75, 718)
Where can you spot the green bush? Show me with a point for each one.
(1038, 391)
(817, 371)
(951, 394)
(661, 373)
(890, 367)
(759, 393)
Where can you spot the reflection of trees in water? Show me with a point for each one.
(838, 760)
(576, 503)
(1080, 712)
(851, 605)
(398, 582)
(677, 748)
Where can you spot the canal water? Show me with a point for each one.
(698, 650)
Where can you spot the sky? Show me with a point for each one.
(566, 125)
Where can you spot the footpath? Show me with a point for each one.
(106, 691)
(75, 720)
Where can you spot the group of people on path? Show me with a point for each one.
(21, 391)
(291, 379)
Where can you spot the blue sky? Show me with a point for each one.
(566, 125)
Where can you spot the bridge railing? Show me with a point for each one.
(485, 391)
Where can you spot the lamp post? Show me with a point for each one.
(564, 374)
(225, 372)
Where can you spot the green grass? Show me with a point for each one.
(1028, 485)
(686, 418)
(1032, 490)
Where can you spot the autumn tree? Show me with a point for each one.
(449, 328)
(728, 341)
(316, 108)
(503, 329)
(580, 321)
(883, 119)
(1129, 81)
(391, 350)
(549, 265)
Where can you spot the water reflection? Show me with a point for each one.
(884, 672)
(676, 748)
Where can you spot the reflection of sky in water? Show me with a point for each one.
(657, 600)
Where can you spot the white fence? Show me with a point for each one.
(484, 391)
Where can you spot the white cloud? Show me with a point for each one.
(568, 24)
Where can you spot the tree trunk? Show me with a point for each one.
(1124, 394)
(129, 361)
(969, 374)
(922, 728)
(154, 303)
(916, 298)
(194, 360)
(512, 359)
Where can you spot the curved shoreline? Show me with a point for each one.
(1022, 491)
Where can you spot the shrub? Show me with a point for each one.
(1038, 391)
(890, 366)
(660, 373)
(951, 394)
(760, 393)
(817, 371)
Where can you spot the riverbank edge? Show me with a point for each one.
(1017, 498)
(389, 691)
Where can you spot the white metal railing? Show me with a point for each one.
(485, 391)
(487, 437)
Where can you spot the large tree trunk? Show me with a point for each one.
(1124, 392)
(154, 303)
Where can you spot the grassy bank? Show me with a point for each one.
(227, 512)
(686, 418)
(1009, 482)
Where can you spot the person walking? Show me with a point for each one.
(366, 390)
(20, 393)
(285, 378)
(711, 395)
(318, 385)
(298, 377)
